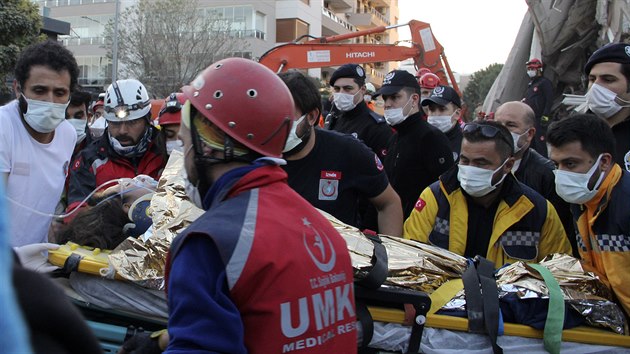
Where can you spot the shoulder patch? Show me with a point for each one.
(77, 163)
(379, 164)
(377, 117)
(420, 204)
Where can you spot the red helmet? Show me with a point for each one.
(429, 81)
(422, 71)
(97, 104)
(534, 63)
(170, 112)
(246, 101)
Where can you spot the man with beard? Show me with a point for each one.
(127, 148)
(330, 180)
(36, 142)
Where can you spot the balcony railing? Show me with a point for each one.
(377, 14)
(55, 3)
(82, 41)
(333, 17)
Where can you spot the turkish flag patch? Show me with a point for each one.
(77, 164)
(420, 204)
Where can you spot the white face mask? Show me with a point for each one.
(367, 98)
(477, 181)
(531, 73)
(174, 145)
(44, 117)
(98, 127)
(601, 101)
(79, 127)
(293, 140)
(443, 123)
(516, 138)
(192, 192)
(344, 101)
(395, 116)
(573, 186)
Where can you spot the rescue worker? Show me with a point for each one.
(331, 181)
(351, 115)
(98, 124)
(369, 94)
(588, 177)
(418, 153)
(479, 208)
(77, 115)
(127, 148)
(608, 97)
(530, 168)
(248, 275)
(36, 141)
(445, 109)
(428, 82)
(539, 96)
(169, 119)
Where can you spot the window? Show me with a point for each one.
(290, 28)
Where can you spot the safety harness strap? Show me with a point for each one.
(552, 335)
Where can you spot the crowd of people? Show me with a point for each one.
(247, 275)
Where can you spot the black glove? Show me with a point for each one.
(141, 343)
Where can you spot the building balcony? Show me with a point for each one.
(75, 41)
(370, 18)
(381, 3)
(339, 4)
(333, 25)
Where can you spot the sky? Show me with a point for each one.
(474, 33)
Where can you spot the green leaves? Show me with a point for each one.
(20, 25)
(479, 86)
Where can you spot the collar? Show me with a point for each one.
(360, 109)
(601, 199)
(258, 174)
(409, 122)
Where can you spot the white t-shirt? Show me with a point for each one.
(36, 174)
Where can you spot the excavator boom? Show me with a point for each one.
(425, 50)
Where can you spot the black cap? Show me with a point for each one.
(353, 71)
(395, 81)
(442, 95)
(613, 52)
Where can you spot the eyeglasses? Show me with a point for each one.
(487, 131)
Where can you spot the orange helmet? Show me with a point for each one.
(170, 112)
(534, 63)
(422, 71)
(246, 101)
(429, 81)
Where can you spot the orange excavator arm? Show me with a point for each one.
(425, 50)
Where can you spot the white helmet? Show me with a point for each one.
(369, 88)
(126, 100)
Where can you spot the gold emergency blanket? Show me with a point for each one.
(582, 291)
(171, 210)
(411, 264)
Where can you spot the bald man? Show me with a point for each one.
(531, 168)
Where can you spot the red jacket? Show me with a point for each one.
(99, 163)
(288, 270)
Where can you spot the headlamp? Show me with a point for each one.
(122, 111)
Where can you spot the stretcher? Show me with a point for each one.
(393, 319)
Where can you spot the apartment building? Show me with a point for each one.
(263, 24)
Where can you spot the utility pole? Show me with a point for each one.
(115, 44)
